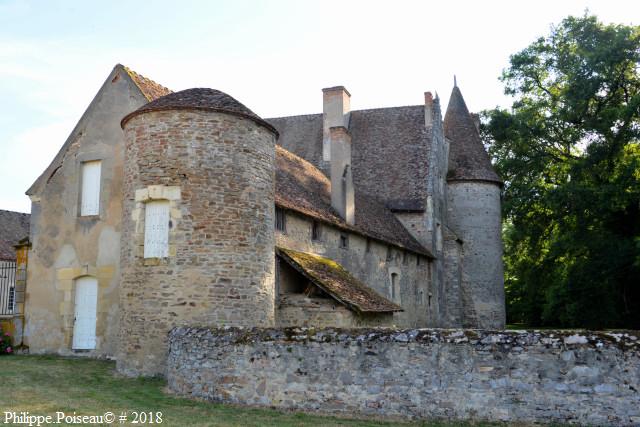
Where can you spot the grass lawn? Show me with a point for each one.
(43, 385)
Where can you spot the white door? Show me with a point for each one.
(84, 328)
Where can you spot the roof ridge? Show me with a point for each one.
(352, 111)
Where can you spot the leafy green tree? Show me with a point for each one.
(568, 150)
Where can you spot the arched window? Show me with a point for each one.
(395, 287)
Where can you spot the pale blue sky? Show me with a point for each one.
(274, 56)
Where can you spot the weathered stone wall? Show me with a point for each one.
(373, 266)
(220, 268)
(315, 312)
(65, 245)
(588, 379)
(474, 215)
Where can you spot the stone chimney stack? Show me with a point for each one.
(342, 192)
(336, 106)
(428, 109)
(336, 149)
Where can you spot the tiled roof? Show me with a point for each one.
(301, 187)
(468, 160)
(390, 151)
(333, 279)
(150, 89)
(14, 226)
(200, 99)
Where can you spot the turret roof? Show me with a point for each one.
(200, 99)
(468, 160)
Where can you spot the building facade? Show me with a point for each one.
(186, 208)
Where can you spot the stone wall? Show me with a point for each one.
(217, 170)
(516, 376)
(67, 246)
(372, 263)
(474, 216)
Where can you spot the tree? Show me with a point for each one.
(569, 153)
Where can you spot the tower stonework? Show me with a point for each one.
(212, 162)
(473, 213)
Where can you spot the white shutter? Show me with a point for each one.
(156, 229)
(90, 204)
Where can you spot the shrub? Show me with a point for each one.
(6, 345)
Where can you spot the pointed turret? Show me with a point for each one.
(468, 160)
(473, 213)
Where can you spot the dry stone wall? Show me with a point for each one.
(562, 377)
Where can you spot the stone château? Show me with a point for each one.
(165, 209)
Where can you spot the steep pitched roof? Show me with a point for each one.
(468, 160)
(390, 151)
(200, 99)
(303, 188)
(14, 226)
(333, 279)
(148, 89)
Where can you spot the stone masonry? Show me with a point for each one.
(220, 268)
(517, 376)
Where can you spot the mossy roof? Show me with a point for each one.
(336, 281)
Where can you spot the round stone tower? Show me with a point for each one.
(473, 213)
(197, 225)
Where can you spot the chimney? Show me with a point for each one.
(342, 192)
(428, 109)
(336, 105)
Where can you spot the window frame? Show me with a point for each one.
(147, 245)
(83, 189)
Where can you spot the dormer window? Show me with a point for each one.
(90, 191)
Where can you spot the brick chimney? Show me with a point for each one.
(342, 192)
(428, 109)
(336, 106)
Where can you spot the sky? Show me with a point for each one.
(273, 56)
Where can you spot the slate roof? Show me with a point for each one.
(14, 226)
(468, 160)
(333, 279)
(390, 150)
(150, 89)
(303, 188)
(200, 99)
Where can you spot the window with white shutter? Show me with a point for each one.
(90, 196)
(156, 229)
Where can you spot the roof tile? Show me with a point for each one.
(333, 279)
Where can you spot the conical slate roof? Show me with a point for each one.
(200, 99)
(468, 160)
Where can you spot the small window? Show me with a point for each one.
(344, 241)
(395, 288)
(315, 230)
(368, 247)
(281, 220)
(405, 258)
(389, 253)
(156, 229)
(417, 260)
(90, 192)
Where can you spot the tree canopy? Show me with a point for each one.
(568, 150)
